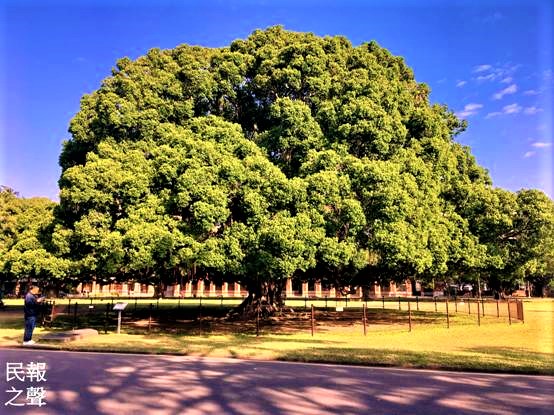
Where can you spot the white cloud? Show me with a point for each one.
(507, 109)
(531, 92)
(537, 144)
(512, 89)
(489, 77)
(511, 109)
(512, 68)
(532, 110)
(503, 73)
(542, 144)
(481, 68)
(464, 114)
(469, 109)
(459, 84)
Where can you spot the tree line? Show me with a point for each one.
(282, 155)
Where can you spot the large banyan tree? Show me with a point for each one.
(282, 155)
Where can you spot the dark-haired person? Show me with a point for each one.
(31, 310)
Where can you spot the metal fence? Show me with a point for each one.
(311, 313)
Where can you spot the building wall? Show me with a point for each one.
(206, 289)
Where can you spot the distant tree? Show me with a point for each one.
(529, 241)
(515, 232)
(26, 251)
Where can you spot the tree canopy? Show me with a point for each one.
(26, 248)
(284, 154)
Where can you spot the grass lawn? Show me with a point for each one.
(493, 346)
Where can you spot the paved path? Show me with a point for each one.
(92, 383)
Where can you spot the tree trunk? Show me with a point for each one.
(264, 299)
(413, 284)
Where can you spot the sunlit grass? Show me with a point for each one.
(493, 346)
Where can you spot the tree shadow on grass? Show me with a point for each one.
(12, 324)
(212, 320)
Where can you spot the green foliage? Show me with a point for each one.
(284, 154)
(25, 246)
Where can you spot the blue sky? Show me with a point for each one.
(489, 61)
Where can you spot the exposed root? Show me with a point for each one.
(252, 308)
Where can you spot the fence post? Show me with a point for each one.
(75, 315)
(325, 302)
(409, 316)
(469, 306)
(119, 321)
(90, 307)
(447, 315)
(497, 310)
(417, 302)
(200, 315)
(106, 319)
(313, 320)
(52, 313)
(522, 319)
(383, 297)
(478, 314)
(365, 319)
(435, 298)
(509, 312)
(258, 320)
(455, 305)
(150, 316)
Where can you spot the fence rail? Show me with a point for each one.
(100, 311)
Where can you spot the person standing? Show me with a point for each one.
(31, 310)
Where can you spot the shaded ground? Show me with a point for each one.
(212, 319)
(205, 320)
(90, 383)
(207, 316)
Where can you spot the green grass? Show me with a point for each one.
(494, 346)
(426, 304)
